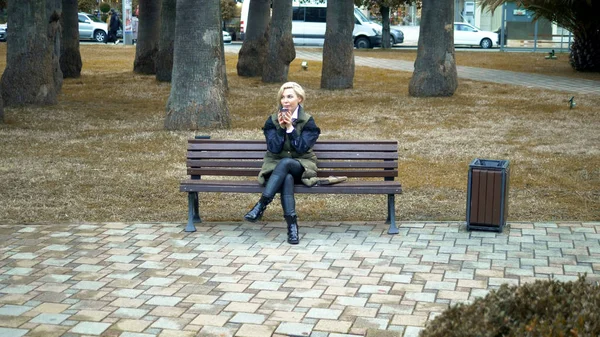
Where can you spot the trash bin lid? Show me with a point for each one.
(489, 163)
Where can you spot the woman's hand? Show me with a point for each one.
(285, 119)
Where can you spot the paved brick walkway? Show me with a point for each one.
(237, 279)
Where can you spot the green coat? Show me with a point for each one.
(297, 145)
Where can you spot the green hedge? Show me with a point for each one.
(104, 7)
(542, 308)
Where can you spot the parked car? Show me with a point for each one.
(309, 20)
(92, 28)
(226, 37)
(468, 35)
(396, 36)
(3, 32)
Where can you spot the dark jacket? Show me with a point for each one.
(297, 144)
(115, 23)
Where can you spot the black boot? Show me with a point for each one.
(292, 228)
(257, 211)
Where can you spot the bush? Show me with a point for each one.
(104, 7)
(87, 6)
(542, 308)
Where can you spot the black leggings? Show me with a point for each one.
(282, 180)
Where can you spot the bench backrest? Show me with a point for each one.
(364, 159)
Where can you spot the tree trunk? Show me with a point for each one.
(1, 110)
(281, 44)
(164, 57)
(338, 49)
(585, 50)
(254, 49)
(435, 67)
(32, 74)
(148, 35)
(70, 58)
(197, 98)
(385, 21)
(54, 14)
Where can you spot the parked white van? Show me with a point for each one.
(308, 25)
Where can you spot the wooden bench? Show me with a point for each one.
(371, 168)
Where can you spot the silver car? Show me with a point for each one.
(92, 28)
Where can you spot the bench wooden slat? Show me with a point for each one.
(357, 155)
(247, 186)
(259, 145)
(191, 163)
(253, 172)
(358, 147)
(226, 154)
(246, 146)
(320, 155)
(318, 147)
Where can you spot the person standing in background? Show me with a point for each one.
(113, 26)
(108, 20)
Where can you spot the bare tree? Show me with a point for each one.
(32, 74)
(148, 35)
(338, 49)
(198, 95)
(70, 57)
(164, 57)
(435, 66)
(254, 49)
(281, 50)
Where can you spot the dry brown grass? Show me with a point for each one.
(101, 154)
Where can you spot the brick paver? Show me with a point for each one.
(345, 279)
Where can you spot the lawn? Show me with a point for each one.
(101, 154)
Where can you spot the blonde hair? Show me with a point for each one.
(291, 85)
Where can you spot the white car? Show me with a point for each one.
(91, 28)
(226, 37)
(3, 32)
(468, 35)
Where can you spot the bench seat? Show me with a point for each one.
(247, 186)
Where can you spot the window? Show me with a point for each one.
(316, 14)
(298, 14)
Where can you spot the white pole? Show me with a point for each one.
(127, 27)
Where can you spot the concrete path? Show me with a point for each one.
(570, 85)
(243, 280)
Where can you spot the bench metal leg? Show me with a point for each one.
(392, 215)
(196, 211)
(193, 214)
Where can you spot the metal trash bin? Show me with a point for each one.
(487, 193)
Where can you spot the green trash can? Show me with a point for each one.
(487, 193)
